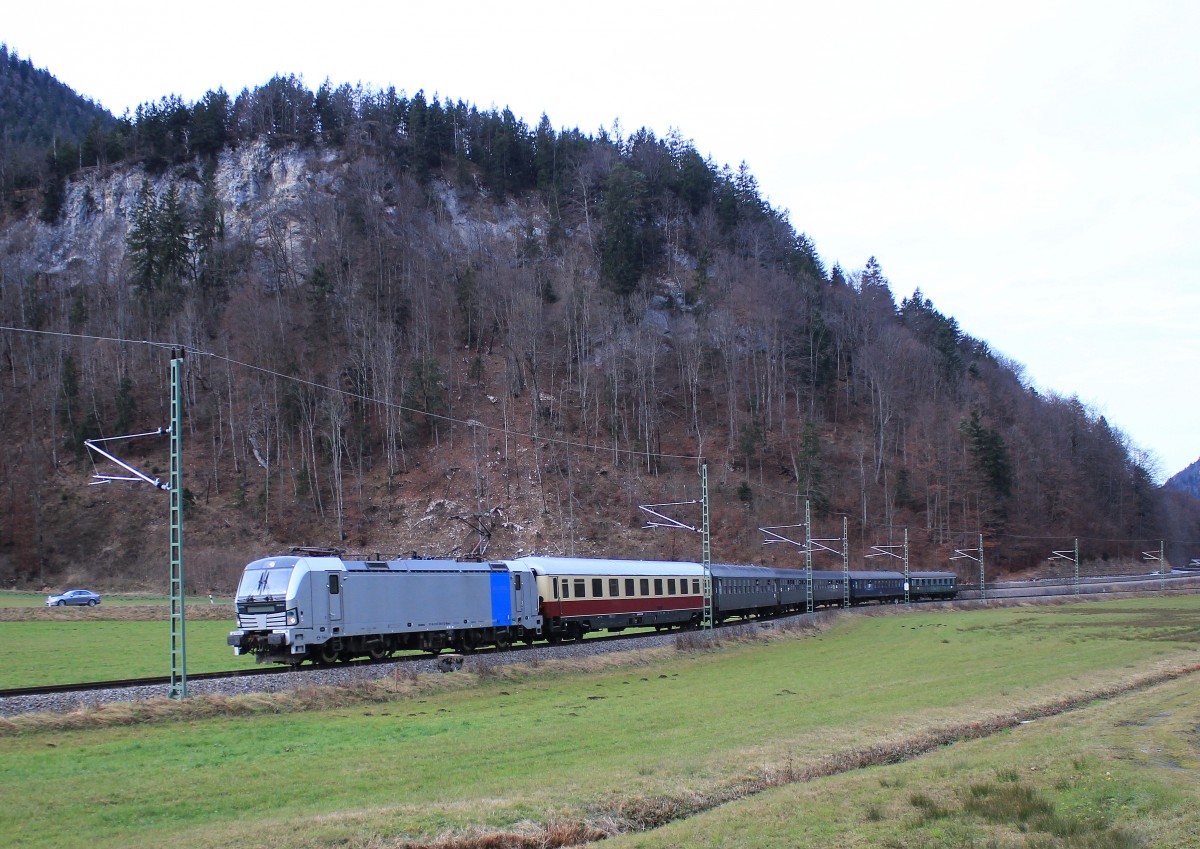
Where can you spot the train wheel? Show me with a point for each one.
(378, 651)
(327, 654)
(503, 640)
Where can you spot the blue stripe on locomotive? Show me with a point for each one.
(502, 604)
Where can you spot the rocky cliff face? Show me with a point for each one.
(264, 195)
(271, 200)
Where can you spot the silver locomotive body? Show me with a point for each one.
(323, 608)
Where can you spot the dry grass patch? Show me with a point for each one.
(118, 613)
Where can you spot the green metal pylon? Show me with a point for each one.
(845, 562)
(982, 575)
(808, 583)
(706, 551)
(178, 643)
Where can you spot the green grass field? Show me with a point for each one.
(533, 750)
(41, 653)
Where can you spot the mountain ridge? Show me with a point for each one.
(406, 317)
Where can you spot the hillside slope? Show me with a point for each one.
(406, 319)
(1188, 480)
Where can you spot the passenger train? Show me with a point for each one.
(316, 605)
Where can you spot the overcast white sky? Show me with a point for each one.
(1033, 167)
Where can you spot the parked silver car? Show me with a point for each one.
(81, 597)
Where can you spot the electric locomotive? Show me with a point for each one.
(316, 606)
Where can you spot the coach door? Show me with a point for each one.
(335, 597)
(518, 595)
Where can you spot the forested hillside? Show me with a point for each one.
(407, 317)
(46, 131)
(1187, 480)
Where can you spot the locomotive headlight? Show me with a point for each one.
(293, 618)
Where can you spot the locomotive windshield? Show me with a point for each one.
(264, 578)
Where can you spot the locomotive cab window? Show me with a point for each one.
(335, 584)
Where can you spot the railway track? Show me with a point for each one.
(165, 681)
(1065, 587)
(999, 593)
(86, 686)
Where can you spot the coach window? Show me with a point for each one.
(580, 588)
(658, 586)
(597, 588)
(645, 585)
(629, 587)
(566, 588)
(696, 586)
(670, 586)
(614, 587)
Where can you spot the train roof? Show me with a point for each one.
(740, 570)
(333, 563)
(927, 574)
(417, 565)
(592, 567)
